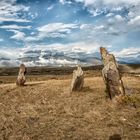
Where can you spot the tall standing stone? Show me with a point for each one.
(111, 75)
(77, 80)
(21, 75)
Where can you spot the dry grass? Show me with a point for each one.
(45, 110)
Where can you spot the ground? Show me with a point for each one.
(44, 109)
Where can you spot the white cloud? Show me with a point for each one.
(115, 20)
(8, 53)
(109, 2)
(31, 38)
(110, 15)
(61, 54)
(135, 21)
(97, 7)
(18, 35)
(91, 28)
(57, 27)
(128, 52)
(9, 11)
(70, 47)
(2, 19)
(65, 2)
(62, 1)
(119, 18)
(15, 27)
(53, 30)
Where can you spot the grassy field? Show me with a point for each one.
(44, 109)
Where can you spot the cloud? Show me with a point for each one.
(65, 2)
(18, 35)
(135, 21)
(108, 2)
(57, 27)
(53, 30)
(52, 55)
(116, 20)
(119, 18)
(62, 54)
(98, 7)
(8, 53)
(128, 55)
(110, 26)
(128, 52)
(9, 11)
(110, 15)
(3, 19)
(62, 1)
(14, 26)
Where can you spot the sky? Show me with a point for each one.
(68, 32)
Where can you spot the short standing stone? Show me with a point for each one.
(77, 80)
(21, 76)
(111, 75)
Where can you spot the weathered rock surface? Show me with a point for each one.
(77, 80)
(21, 76)
(111, 75)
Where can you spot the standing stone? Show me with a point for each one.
(111, 75)
(21, 76)
(77, 80)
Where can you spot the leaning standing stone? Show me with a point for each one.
(77, 80)
(21, 76)
(111, 75)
